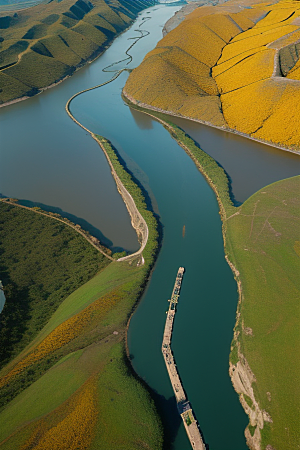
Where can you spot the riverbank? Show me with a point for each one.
(131, 100)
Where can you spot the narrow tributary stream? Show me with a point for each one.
(52, 161)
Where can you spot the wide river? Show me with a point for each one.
(46, 158)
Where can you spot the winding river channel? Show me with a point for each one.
(46, 158)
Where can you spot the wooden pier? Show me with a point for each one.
(183, 405)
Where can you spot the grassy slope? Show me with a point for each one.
(263, 245)
(92, 358)
(41, 263)
(43, 44)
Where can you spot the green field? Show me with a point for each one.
(263, 243)
(41, 262)
(76, 365)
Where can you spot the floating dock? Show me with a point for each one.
(183, 405)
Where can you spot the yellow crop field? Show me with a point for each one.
(250, 70)
(276, 17)
(286, 40)
(259, 105)
(236, 48)
(241, 110)
(222, 25)
(284, 4)
(176, 75)
(251, 14)
(63, 334)
(294, 74)
(206, 108)
(187, 37)
(210, 70)
(283, 125)
(258, 32)
(72, 424)
(220, 68)
(275, 117)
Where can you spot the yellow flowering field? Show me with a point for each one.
(275, 117)
(277, 16)
(222, 25)
(236, 48)
(286, 40)
(206, 108)
(254, 68)
(210, 70)
(176, 75)
(259, 105)
(260, 31)
(283, 125)
(247, 17)
(191, 67)
(189, 34)
(243, 112)
(294, 73)
(64, 333)
(220, 68)
(71, 425)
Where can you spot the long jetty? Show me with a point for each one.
(183, 405)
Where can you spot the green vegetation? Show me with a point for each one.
(81, 349)
(41, 262)
(138, 197)
(251, 429)
(248, 400)
(42, 45)
(261, 240)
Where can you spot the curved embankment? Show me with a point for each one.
(137, 220)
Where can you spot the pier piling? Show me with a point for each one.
(183, 405)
